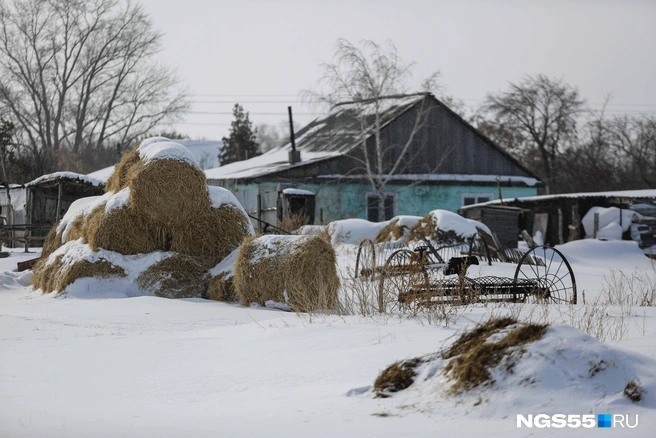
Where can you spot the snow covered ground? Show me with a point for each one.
(144, 366)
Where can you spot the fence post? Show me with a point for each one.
(596, 226)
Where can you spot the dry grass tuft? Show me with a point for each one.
(473, 356)
(633, 391)
(121, 230)
(297, 270)
(119, 179)
(178, 276)
(396, 377)
(167, 192)
(211, 236)
(56, 276)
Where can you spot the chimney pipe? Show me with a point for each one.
(294, 155)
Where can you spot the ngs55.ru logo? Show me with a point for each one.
(574, 421)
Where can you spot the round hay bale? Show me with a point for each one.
(121, 230)
(56, 276)
(44, 274)
(222, 287)
(168, 192)
(118, 180)
(178, 276)
(76, 229)
(297, 270)
(67, 274)
(212, 235)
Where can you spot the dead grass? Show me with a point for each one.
(298, 270)
(430, 230)
(391, 233)
(633, 391)
(179, 276)
(293, 222)
(397, 377)
(473, 356)
(169, 193)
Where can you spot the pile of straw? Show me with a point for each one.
(297, 270)
(398, 229)
(157, 200)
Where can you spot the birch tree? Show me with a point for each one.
(366, 80)
(78, 73)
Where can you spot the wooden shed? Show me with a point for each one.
(35, 207)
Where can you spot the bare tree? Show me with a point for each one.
(367, 81)
(633, 140)
(543, 112)
(78, 73)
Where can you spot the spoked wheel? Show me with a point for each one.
(403, 281)
(365, 262)
(545, 275)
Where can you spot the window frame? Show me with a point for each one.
(381, 206)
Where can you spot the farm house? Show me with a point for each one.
(448, 164)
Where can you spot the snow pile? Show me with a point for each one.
(443, 225)
(558, 370)
(354, 231)
(161, 148)
(398, 228)
(609, 222)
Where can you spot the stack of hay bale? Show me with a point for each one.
(157, 199)
(160, 225)
(446, 226)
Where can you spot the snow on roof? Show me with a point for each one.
(323, 138)
(66, 175)
(442, 177)
(648, 193)
(273, 161)
(102, 174)
(161, 148)
(292, 191)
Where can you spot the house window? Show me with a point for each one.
(475, 198)
(381, 209)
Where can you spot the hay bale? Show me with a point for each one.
(222, 287)
(168, 192)
(118, 180)
(212, 235)
(52, 242)
(55, 275)
(178, 276)
(297, 270)
(120, 230)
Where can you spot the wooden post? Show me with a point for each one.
(59, 200)
(596, 226)
(560, 227)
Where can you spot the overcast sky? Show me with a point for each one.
(269, 50)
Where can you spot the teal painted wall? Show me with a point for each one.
(343, 201)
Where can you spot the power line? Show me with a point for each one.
(229, 113)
